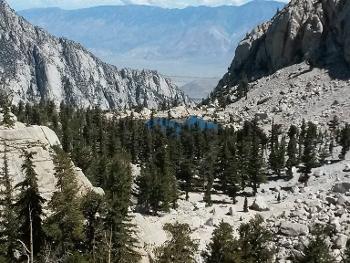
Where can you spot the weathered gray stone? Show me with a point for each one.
(293, 229)
(340, 241)
(331, 200)
(346, 168)
(39, 140)
(210, 222)
(259, 204)
(336, 225)
(341, 200)
(341, 187)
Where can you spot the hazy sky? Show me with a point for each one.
(71, 4)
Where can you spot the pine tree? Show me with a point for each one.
(323, 154)
(199, 143)
(301, 138)
(8, 229)
(170, 189)
(256, 164)
(30, 207)
(253, 245)
(221, 165)
(147, 194)
(274, 146)
(93, 208)
(27, 114)
(309, 155)
(233, 179)
(157, 183)
(292, 150)
(223, 247)
(208, 173)
(333, 127)
(254, 240)
(207, 194)
(280, 157)
(187, 175)
(36, 116)
(277, 150)
(180, 248)
(65, 116)
(317, 251)
(7, 118)
(245, 205)
(119, 231)
(345, 140)
(166, 174)
(244, 148)
(65, 225)
(226, 167)
(146, 145)
(186, 153)
(134, 143)
(20, 111)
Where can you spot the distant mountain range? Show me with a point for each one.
(75, 4)
(194, 41)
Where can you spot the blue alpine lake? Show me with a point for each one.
(178, 124)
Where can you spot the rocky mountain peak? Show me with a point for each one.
(6, 13)
(35, 65)
(4, 6)
(315, 31)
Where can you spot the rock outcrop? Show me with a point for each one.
(38, 140)
(288, 96)
(259, 204)
(35, 65)
(315, 31)
(341, 187)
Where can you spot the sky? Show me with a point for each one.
(73, 4)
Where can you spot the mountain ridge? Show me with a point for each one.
(195, 40)
(39, 66)
(307, 30)
(160, 3)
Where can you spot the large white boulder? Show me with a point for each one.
(259, 204)
(340, 241)
(39, 140)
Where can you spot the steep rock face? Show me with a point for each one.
(39, 140)
(36, 65)
(316, 31)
